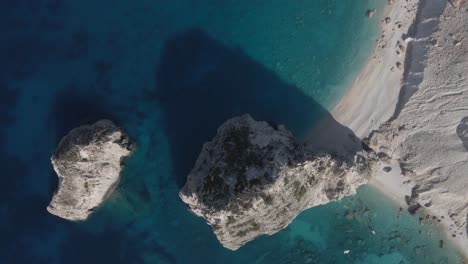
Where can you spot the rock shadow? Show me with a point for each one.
(200, 83)
(74, 107)
(462, 131)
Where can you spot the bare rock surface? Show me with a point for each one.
(254, 179)
(428, 134)
(88, 162)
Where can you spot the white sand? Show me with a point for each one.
(377, 86)
(426, 133)
(393, 183)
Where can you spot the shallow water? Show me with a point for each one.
(170, 72)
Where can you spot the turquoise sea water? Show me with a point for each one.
(170, 72)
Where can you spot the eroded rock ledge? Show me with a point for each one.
(88, 162)
(254, 179)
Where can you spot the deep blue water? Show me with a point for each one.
(170, 72)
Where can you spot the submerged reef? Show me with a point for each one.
(88, 162)
(254, 178)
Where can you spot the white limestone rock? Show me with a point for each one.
(428, 135)
(88, 162)
(253, 179)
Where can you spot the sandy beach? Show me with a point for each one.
(377, 86)
(413, 96)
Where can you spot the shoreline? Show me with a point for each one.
(459, 243)
(393, 183)
(380, 70)
(384, 86)
(397, 186)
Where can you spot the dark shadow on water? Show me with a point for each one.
(201, 83)
(75, 107)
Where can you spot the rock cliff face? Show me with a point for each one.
(88, 162)
(254, 179)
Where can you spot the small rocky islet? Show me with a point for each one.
(252, 179)
(88, 162)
